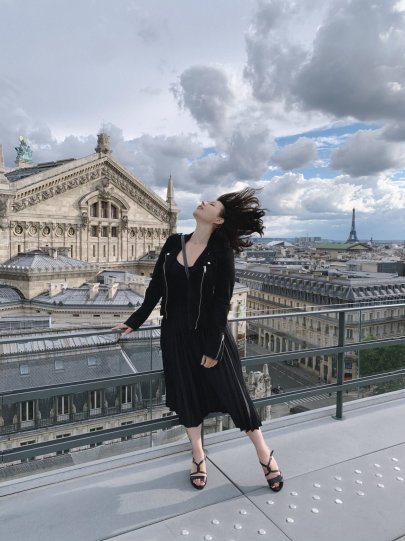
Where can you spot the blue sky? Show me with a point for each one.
(306, 99)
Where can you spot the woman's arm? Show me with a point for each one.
(223, 290)
(153, 292)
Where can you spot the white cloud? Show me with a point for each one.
(366, 153)
(298, 154)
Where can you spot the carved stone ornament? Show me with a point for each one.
(18, 230)
(46, 230)
(64, 184)
(124, 223)
(85, 219)
(142, 198)
(71, 231)
(59, 231)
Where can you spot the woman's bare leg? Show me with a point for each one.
(263, 452)
(194, 435)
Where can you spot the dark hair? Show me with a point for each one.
(242, 217)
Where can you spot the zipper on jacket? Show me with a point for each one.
(199, 305)
(167, 289)
(220, 347)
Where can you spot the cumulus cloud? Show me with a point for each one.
(356, 66)
(367, 153)
(298, 154)
(205, 92)
(298, 205)
(274, 54)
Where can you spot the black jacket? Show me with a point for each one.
(210, 290)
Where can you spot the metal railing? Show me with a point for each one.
(141, 427)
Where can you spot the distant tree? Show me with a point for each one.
(383, 359)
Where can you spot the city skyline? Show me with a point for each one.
(308, 103)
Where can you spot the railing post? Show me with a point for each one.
(340, 367)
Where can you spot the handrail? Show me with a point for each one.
(337, 388)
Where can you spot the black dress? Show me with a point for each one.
(193, 391)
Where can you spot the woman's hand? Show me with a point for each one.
(208, 362)
(122, 327)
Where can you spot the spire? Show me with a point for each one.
(173, 210)
(103, 144)
(353, 235)
(3, 178)
(2, 166)
(170, 193)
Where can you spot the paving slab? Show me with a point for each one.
(233, 520)
(315, 444)
(100, 505)
(357, 499)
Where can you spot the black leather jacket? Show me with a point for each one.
(210, 291)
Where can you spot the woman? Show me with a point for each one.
(200, 359)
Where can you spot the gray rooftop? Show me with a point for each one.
(80, 296)
(9, 294)
(18, 174)
(343, 480)
(66, 367)
(38, 259)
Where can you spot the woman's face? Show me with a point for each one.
(209, 212)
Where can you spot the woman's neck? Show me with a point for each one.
(201, 234)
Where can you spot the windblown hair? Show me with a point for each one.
(242, 216)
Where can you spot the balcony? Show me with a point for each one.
(343, 465)
(343, 480)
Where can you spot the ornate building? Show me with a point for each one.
(284, 292)
(92, 207)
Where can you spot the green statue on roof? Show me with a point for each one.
(24, 152)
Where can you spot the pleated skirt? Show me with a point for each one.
(193, 391)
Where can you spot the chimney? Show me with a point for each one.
(93, 290)
(112, 290)
(55, 288)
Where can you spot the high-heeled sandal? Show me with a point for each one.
(278, 479)
(199, 475)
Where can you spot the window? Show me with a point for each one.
(132, 250)
(114, 250)
(95, 400)
(114, 231)
(91, 361)
(95, 429)
(114, 212)
(27, 410)
(18, 248)
(104, 209)
(93, 231)
(59, 364)
(104, 250)
(94, 250)
(24, 369)
(94, 210)
(104, 231)
(29, 442)
(59, 437)
(126, 394)
(63, 405)
(349, 333)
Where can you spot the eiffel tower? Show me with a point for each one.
(353, 235)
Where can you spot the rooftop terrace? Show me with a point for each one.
(343, 480)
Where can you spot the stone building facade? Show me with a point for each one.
(284, 292)
(92, 207)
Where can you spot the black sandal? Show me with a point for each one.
(199, 475)
(278, 479)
